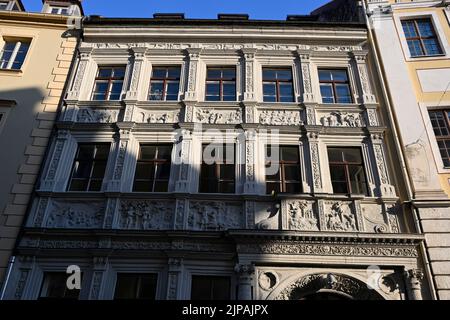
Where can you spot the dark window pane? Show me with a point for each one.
(105, 72)
(174, 73)
(54, 286)
(293, 188)
(343, 93)
(229, 73)
(109, 83)
(337, 173)
(269, 74)
(340, 187)
(95, 185)
(352, 155)
(325, 75)
(214, 73)
(290, 153)
(421, 37)
(144, 171)
(136, 286)
(148, 152)
(79, 185)
(326, 91)
(210, 288)
(156, 90)
(159, 73)
(153, 169)
(284, 75)
(291, 173)
(358, 179)
(273, 187)
(339, 75)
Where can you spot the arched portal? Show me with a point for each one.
(328, 287)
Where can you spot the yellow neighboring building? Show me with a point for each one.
(36, 54)
(412, 40)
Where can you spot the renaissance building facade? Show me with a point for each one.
(128, 196)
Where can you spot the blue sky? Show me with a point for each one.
(257, 9)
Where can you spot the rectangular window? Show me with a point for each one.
(60, 10)
(3, 5)
(347, 171)
(283, 170)
(89, 167)
(165, 84)
(54, 286)
(278, 85)
(153, 168)
(136, 286)
(218, 169)
(440, 121)
(335, 86)
(221, 84)
(13, 54)
(109, 83)
(421, 37)
(210, 288)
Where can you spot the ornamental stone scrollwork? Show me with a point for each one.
(373, 118)
(219, 116)
(350, 250)
(313, 283)
(374, 218)
(40, 212)
(121, 153)
(146, 215)
(76, 215)
(315, 160)
(301, 216)
(392, 212)
(90, 115)
(342, 119)
(280, 118)
(214, 215)
(339, 217)
(156, 117)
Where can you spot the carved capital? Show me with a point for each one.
(244, 269)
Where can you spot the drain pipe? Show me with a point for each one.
(397, 139)
(8, 275)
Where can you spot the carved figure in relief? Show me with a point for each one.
(301, 217)
(341, 119)
(340, 219)
(145, 215)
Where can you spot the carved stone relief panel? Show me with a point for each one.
(215, 215)
(146, 215)
(91, 115)
(341, 119)
(300, 215)
(156, 116)
(374, 219)
(75, 214)
(218, 116)
(280, 117)
(339, 216)
(267, 216)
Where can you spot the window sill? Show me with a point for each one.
(427, 58)
(11, 71)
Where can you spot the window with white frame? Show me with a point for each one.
(421, 37)
(3, 5)
(59, 10)
(13, 54)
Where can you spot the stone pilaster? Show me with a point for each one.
(366, 95)
(250, 185)
(131, 96)
(386, 189)
(314, 152)
(249, 74)
(84, 57)
(245, 274)
(414, 279)
(305, 66)
(123, 142)
(194, 58)
(184, 158)
(99, 267)
(50, 178)
(173, 278)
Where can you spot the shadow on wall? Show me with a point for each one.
(20, 138)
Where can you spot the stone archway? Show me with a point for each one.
(333, 285)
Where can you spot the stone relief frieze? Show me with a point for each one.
(222, 46)
(79, 214)
(214, 116)
(374, 220)
(146, 215)
(141, 116)
(301, 216)
(342, 119)
(280, 118)
(214, 215)
(90, 115)
(339, 216)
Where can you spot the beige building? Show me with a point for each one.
(36, 53)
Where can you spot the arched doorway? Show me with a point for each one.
(328, 287)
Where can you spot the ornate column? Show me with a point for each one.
(99, 267)
(250, 185)
(70, 111)
(26, 266)
(50, 179)
(131, 97)
(314, 152)
(245, 286)
(123, 142)
(386, 189)
(173, 278)
(366, 94)
(414, 279)
(194, 58)
(184, 146)
(305, 65)
(249, 85)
